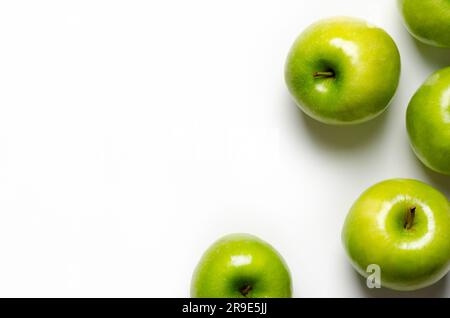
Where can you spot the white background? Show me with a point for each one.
(133, 134)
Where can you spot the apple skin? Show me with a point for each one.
(374, 233)
(365, 62)
(239, 260)
(428, 122)
(427, 20)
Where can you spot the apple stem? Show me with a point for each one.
(409, 219)
(245, 290)
(323, 74)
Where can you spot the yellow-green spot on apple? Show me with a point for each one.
(241, 266)
(343, 70)
(427, 20)
(403, 226)
(428, 122)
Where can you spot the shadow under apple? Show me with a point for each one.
(437, 180)
(342, 137)
(437, 58)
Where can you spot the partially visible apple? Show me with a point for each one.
(403, 226)
(428, 122)
(427, 20)
(343, 70)
(238, 266)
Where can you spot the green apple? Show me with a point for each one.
(427, 20)
(428, 122)
(343, 70)
(403, 226)
(238, 266)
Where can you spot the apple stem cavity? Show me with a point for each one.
(326, 74)
(245, 290)
(409, 219)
